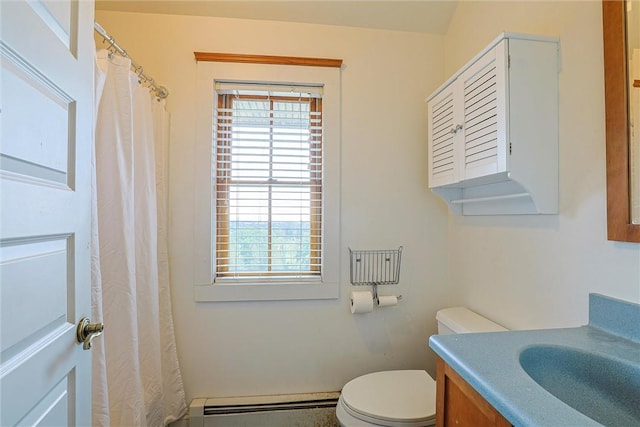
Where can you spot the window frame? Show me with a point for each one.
(222, 155)
(327, 285)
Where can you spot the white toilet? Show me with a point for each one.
(404, 398)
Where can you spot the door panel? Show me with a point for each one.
(61, 18)
(32, 146)
(26, 266)
(45, 155)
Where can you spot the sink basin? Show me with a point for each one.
(604, 389)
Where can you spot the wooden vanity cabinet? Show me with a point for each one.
(459, 405)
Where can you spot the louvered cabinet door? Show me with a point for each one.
(484, 132)
(444, 115)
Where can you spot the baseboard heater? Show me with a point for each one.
(222, 411)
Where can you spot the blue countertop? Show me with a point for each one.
(489, 362)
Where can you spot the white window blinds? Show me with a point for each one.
(268, 181)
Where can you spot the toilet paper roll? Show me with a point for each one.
(361, 302)
(387, 300)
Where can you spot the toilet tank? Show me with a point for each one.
(461, 320)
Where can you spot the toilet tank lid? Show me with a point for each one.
(461, 320)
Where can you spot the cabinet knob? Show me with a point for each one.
(455, 129)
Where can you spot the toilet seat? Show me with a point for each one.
(391, 398)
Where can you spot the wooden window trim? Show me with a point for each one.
(222, 190)
(267, 59)
(315, 226)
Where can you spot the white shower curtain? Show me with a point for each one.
(136, 377)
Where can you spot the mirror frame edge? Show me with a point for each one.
(619, 226)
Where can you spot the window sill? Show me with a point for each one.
(265, 291)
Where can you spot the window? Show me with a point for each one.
(268, 182)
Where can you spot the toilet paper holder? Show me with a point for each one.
(375, 267)
(376, 298)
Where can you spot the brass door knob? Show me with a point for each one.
(87, 331)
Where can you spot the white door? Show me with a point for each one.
(46, 118)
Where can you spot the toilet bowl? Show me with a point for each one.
(404, 398)
(388, 398)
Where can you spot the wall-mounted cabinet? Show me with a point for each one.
(493, 130)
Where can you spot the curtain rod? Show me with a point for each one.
(160, 91)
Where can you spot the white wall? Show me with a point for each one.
(250, 348)
(533, 272)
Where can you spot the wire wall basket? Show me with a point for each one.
(375, 267)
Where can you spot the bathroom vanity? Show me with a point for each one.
(458, 404)
(584, 376)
